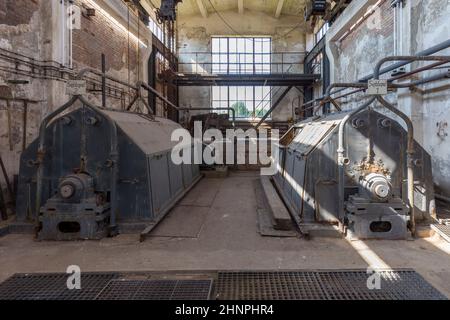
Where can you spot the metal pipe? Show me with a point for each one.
(409, 159)
(103, 81)
(442, 198)
(6, 178)
(142, 84)
(410, 128)
(439, 47)
(408, 59)
(41, 154)
(233, 112)
(343, 85)
(418, 70)
(83, 73)
(423, 81)
(341, 151)
(274, 106)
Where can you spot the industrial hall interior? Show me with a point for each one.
(224, 150)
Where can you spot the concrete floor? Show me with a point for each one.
(225, 237)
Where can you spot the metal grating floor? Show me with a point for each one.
(443, 230)
(277, 285)
(157, 290)
(101, 286)
(52, 286)
(323, 285)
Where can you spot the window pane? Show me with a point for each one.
(242, 55)
(258, 45)
(224, 93)
(241, 45)
(232, 45)
(249, 45)
(233, 93)
(266, 93)
(223, 45)
(258, 94)
(241, 93)
(215, 93)
(234, 68)
(266, 45)
(223, 104)
(215, 45)
(249, 93)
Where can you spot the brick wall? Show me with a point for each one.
(15, 12)
(384, 26)
(367, 43)
(26, 27)
(99, 35)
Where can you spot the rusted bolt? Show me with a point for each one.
(418, 162)
(109, 163)
(92, 121)
(358, 123)
(384, 123)
(66, 121)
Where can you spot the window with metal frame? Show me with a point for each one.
(242, 55)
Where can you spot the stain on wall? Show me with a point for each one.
(195, 32)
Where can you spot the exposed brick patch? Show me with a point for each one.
(98, 35)
(386, 24)
(16, 12)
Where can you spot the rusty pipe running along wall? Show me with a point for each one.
(370, 176)
(432, 50)
(94, 172)
(373, 200)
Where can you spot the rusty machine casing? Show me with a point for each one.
(77, 200)
(374, 203)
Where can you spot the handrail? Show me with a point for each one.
(142, 84)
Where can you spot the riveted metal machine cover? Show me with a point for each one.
(374, 203)
(76, 192)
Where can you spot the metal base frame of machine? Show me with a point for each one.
(373, 179)
(95, 171)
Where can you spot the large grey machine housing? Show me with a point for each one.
(373, 200)
(76, 198)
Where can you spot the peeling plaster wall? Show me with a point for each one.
(369, 42)
(194, 35)
(22, 30)
(33, 28)
(431, 26)
(425, 25)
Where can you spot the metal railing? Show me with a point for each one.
(210, 63)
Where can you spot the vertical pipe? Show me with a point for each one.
(103, 81)
(409, 159)
(8, 115)
(410, 149)
(41, 155)
(3, 209)
(341, 151)
(63, 32)
(71, 47)
(24, 133)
